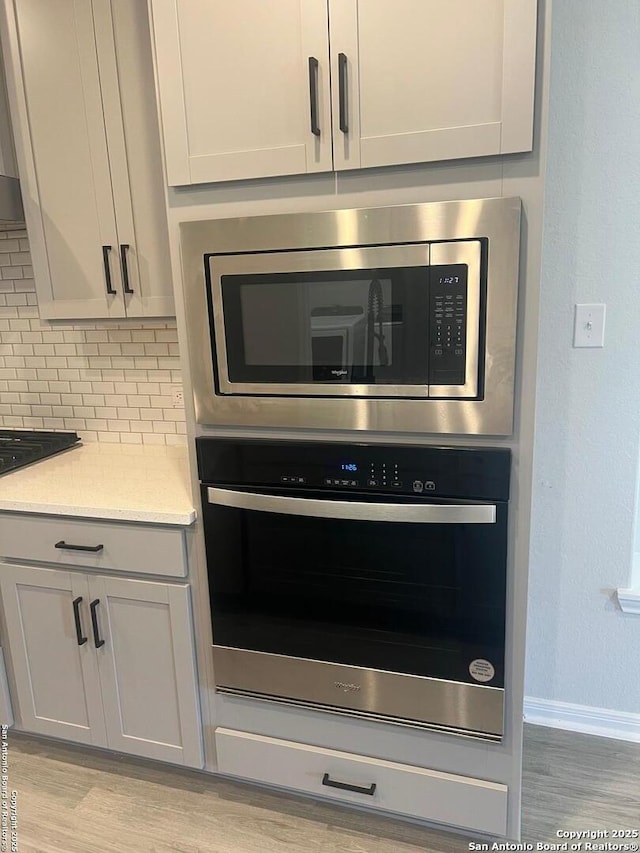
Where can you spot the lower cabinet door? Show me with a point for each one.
(52, 653)
(458, 801)
(145, 651)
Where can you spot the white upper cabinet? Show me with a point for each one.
(244, 88)
(81, 90)
(252, 89)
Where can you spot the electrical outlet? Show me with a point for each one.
(588, 330)
(177, 397)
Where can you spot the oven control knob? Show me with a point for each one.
(429, 485)
(418, 486)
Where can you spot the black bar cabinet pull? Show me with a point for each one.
(76, 617)
(124, 248)
(313, 95)
(107, 269)
(342, 92)
(94, 622)
(67, 547)
(345, 786)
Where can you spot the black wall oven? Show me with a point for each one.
(363, 579)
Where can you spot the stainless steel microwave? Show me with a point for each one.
(398, 319)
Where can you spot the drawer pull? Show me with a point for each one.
(94, 622)
(76, 617)
(67, 547)
(345, 786)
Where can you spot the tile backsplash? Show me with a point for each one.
(108, 381)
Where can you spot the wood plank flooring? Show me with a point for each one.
(73, 800)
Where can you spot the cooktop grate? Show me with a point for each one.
(22, 447)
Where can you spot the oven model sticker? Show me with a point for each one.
(481, 670)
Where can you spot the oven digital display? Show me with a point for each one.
(349, 466)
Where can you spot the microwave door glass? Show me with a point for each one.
(367, 327)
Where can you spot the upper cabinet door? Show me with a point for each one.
(422, 80)
(244, 88)
(125, 58)
(62, 150)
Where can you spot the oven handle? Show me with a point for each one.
(356, 511)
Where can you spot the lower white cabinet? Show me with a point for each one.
(447, 798)
(104, 661)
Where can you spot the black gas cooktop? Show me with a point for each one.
(21, 447)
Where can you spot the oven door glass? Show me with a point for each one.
(365, 322)
(422, 597)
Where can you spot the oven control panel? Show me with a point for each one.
(464, 472)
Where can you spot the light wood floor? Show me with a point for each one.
(72, 800)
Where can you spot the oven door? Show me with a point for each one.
(384, 321)
(310, 592)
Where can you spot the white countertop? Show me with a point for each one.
(110, 481)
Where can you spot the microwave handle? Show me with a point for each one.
(421, 513)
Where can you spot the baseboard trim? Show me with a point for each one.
(620, 725)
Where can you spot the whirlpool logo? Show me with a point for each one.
(346, 687)
(338, 372)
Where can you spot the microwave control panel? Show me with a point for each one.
(448, 324)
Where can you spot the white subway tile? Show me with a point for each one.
(174, 414)
(141, 426)
(176, 440)
(93, 399)
(110, 349)
(74, 423)
(133, 349)
(131, 438)
(148, 438)
(128, 414)
(66, 349)
(160, 402)
(164, 426)
(51, 399)
(118, 426)
(59, 386)
(126, 388)
(138, 400)
(72, 399)
(119, 336)
(109, 437)
(84, 411)
(142, 335)
(106, 412)
(148, 388)
(97, 336)
(34, 423)
(151, 414)
(115, 399)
